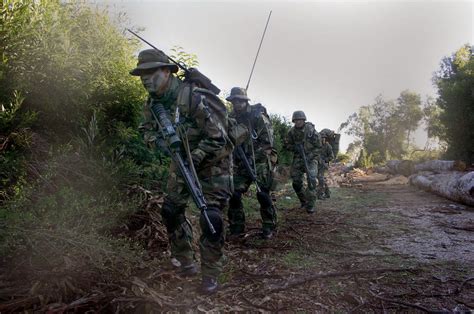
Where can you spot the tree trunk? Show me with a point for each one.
(454, 185)
(403, 167)
(440, 165)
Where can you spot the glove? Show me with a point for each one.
(198, 156)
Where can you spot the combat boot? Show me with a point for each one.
(310, 209)
(209, 285)
(267, 233)
(189, 270)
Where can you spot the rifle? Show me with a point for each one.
(241, 155)
(173, 144)
(311, 180)
(190, 74)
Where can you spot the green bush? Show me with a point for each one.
(344, 158)
(281, 126)
(69, 114)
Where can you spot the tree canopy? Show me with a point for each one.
(453, 120)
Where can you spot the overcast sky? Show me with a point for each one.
(327, 58)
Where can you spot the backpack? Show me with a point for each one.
(258, 110)
(333, 140)
(236, 132)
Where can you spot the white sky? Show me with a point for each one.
(326, 58)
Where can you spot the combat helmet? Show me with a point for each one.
(298, 115)
(151, 59)
(326, 133)
(238, 93)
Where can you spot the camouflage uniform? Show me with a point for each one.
(327, 155)
(256, 119)
(311, 141)
(211, 154)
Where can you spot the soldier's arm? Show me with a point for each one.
(315, 140)
(288, 142)
(264, 130)
(148, 128)
(316, 148)
(330, 154)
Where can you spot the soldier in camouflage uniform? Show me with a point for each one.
(211, 156)
(256, 119)
(303, 133)
(327, 155)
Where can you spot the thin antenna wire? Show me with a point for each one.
(261, 41)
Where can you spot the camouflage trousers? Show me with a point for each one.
(216, 186)
(306, 196)
(323, 189)
(242, 182)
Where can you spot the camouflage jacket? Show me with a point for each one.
(261, 132)
(189, 110)
(308, 136)
(326, 153)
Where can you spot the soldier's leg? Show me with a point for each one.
(236, 212)
(216, 188)
(327, 192)
(297, 172)
(320, 189)
(267, 209)
(311, 191)
(180, 234)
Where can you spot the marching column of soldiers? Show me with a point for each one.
(217, 156)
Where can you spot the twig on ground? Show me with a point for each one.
(304, 280)
(459, 289)
(258, 306)
(416, 306)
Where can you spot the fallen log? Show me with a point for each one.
(403, 167)
(454, 185)
(440, 165)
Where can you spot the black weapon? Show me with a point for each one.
(311, 179)
(241, 155)
(190, 74)
(173, 145)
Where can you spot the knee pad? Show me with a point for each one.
(235, 200)
(171, 217)
(297, 186)
(264, 199)
(216, 221)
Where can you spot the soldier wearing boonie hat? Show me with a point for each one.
(210, 153)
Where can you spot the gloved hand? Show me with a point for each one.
(198, 156)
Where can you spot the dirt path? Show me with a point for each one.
(385, 247)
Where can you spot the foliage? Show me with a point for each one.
(384, 128)
(15, 137)
(70, 146)
(453, 114)
(281, 126)
(189, 60)
(344, 158)
(365, 160)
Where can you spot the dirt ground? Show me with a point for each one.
(373, 246)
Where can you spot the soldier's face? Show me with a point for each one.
(156, 80)
(323, 140)
(239, 104)
(299, 123)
